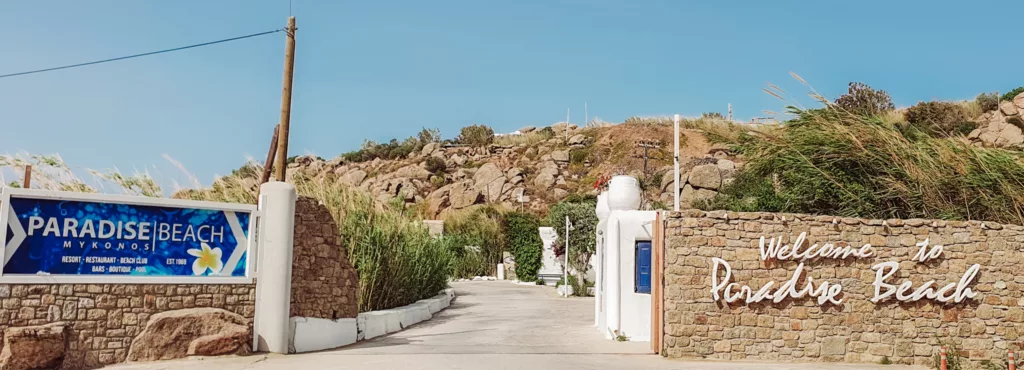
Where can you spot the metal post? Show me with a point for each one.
(565, 272)
(566, 126)
(675, 160)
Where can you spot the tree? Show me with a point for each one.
(429, 135)
(582, 236)
(863, 100)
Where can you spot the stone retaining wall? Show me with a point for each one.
(102, 319)
(857, 330)
(324, 283)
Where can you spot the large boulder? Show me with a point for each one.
(463, 194)
(706, 176)
(527, 129)
(578, 140)
(486, 174)
(1018, 101)
(1008, 108)
(691, 196)
(429, 148)
(33, 347)
(354, 177)
(997, 130)
(438, 200)
(489, 180)
(546, 178)
(191, 332)
(413, 171)
(560, 156)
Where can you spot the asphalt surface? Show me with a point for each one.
(490, 325)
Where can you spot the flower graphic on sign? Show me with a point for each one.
(206, 259)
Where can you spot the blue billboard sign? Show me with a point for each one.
(50, 234)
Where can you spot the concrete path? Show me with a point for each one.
(492, 325)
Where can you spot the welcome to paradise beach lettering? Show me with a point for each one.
(827, 292)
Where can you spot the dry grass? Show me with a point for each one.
(527, 139)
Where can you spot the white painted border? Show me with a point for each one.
(5, 209)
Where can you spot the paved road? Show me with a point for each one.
(491, 325)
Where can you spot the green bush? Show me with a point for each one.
(578, 156)
(393, 149)
(1013, 94)
(437, 180)
(476, 135)
(863, 100)
(836, 163)
(711, 115)
(522, 231)
(988, 101)
(938, 118)
(436, 165)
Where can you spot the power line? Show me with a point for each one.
(139, 55)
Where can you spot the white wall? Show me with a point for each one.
(625, 310)
(549, 264)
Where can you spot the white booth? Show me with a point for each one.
(624, 246)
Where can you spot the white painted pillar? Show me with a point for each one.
(675, 165)
(614, 279)
(599, 263)
(274, 281)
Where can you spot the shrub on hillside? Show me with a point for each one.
(522, 231)
(987, 101)
(393, 149)
(711, 115)
(436, 165)
(1013, 94)
(863, 100)
(476, 135)
(547, 132)
(939, 119)
(847, 165)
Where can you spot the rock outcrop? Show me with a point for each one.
(1003, 127)
(33, 347)
(191, 332)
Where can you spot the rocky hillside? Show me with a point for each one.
(1001, 127)
(539, 166)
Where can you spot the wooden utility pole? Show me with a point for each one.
(646, 145)
(28, 177)
(286, 101)
(269, 164)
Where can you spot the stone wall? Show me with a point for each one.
(856, 330)
(324, 283)
(102, 319)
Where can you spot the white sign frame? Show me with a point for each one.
(255, 221)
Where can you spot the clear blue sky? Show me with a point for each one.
(382, 69)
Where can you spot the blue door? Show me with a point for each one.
(643, 267)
